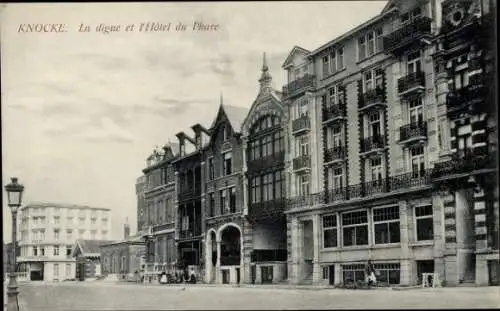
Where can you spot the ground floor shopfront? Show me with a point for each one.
(57, 270)
(403, 237)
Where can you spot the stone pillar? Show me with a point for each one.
(218, 278)
(439, 243)
(480, 219)
(317, 273)
(293, 271)
(465, 234)
(208, 260)
(406, 260)
(247, 247)
(300, 251)
(244, 178)
(482, 273)
(338, 277)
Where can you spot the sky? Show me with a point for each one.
(81, 111)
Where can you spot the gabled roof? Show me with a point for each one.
(137, 238)
(235, 115)
(388, 6)
(295, 49)
(89, 247)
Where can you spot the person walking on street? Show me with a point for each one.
(370, 274)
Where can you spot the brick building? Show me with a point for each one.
(222, 198)
(87, 255)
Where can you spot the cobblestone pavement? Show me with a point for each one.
(109, 296)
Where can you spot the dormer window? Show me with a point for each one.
(198, 141)
(226, 132)
(410, 16)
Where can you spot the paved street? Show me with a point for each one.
(106, 296)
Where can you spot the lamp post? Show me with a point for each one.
(15, 196)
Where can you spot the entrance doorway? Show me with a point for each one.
(424, 266)
(331, 275)
(238, 275)
(266, 274)
(253, 273)
(80, 270)
(225, 276)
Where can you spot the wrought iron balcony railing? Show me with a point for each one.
(268, 255)
(302, 162)
(297, 86)
(301, 123)
(267, 209)
(413, 180)
(412, 81)
(407, 34)
(372, 143)
(416, 130)
(331, 111)
(370, 97)
(190, 233)
(335, 153)
(272, 160)
(464, 161)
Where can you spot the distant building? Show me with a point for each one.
(48, 232)
(88, 258)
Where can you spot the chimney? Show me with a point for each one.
(126, 229)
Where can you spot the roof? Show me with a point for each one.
(90, 247)
(236, 116)
(292, 52)
(62, 205)
(131, 239)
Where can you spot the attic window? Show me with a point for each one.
(198, 141)
(227, 132)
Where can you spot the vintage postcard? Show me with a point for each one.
(249, 155)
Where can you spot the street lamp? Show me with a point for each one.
(14, 196)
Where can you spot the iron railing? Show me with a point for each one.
(301, 123)
(335, 153)
(267, 255)
(372, 143)
(411, 80)
(301, 84)
(377, 95)
(300, 162)
(333, 111)
(413, 130)
(464, 161)
(407, 34)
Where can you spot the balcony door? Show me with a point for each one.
(374, 125)
(335, 137)
(417, 161)
(416, 114)
(303, 145)
(376, 170)
(413, 63)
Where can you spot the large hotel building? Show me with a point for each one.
(48, 233)
(381, 147)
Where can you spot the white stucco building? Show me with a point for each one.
(47, 233)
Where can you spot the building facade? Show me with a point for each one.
(88, 259)
(158, 213)
(376, 142)
(189, 218)
(48, 233)
(222, 198)
(264, 133)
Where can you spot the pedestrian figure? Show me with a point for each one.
(370, 274)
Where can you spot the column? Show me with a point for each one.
(293, 271)
(317, 273)
(218, 278)
(480, 219)
(406, 265)
(245, 180)
(465, 234)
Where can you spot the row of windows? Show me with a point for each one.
(265, 146)
(40, 251)
(56, 269)
(161, 211)
(226, 167)
(267, 187)
(225, 205)
(386, 229)
(69, 220)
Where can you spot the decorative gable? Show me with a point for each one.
(296, 56)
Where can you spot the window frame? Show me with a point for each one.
(423, 217)
(334, 227)
(387, 222)
(365, 224)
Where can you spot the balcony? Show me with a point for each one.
(335, 154)
(371, 98)
(299, 86)
(373, 144)
(189, 192)
(266, 162)
(464, 162)
(305, 200)
(413, 132)
(408, 181)
(398, 40)
(268, 255)
(413, 82)
(269, 210)
(165, 226)
(302, 163)
(465, 100)
(189, 234)
(334, 112)
(301, 124)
